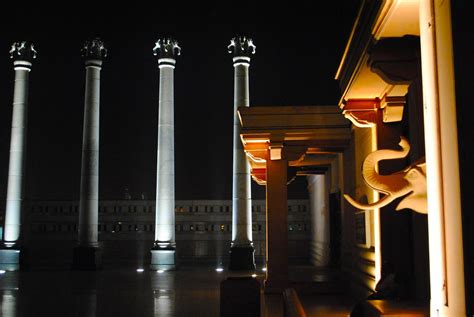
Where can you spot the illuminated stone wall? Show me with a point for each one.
(358, 241)
(126, 231)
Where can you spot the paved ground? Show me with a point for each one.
(189, 291)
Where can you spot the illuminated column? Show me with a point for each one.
(22, 54)
(277, 220)
(86, 252)
(319, 204)
(242, 251)
(442, 162)
(164, 249)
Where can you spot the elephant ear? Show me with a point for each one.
(422, 167)
(416, 200)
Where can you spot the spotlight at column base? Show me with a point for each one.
(9, 244)
(163, 245)
(86, 258)
(163, 259)
(242, 258)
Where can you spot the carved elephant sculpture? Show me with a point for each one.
(411, 182)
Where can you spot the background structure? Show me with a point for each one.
(298, 51)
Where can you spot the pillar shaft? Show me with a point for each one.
(241, 252)
(319, 206)
(16, 168)
(89, 195)
(86, 254)
(277, 226)
(442, 161)
(163, 253)
(165, 191)
(241, 187)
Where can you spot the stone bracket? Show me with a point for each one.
(362, 112)
(392, 107)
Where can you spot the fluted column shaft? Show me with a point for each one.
(89, 195)
(16, 167)
(165, 184)
(241, 187)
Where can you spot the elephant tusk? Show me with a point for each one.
(382, 202)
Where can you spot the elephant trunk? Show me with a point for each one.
(383, 183)
(382, 202)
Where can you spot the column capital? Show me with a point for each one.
(166, 49)
(94, 50)
(241, 47)
(23, 53)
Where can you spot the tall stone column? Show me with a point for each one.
(319, 206)
(163, 253)
(242, 250)
(86, 255)
(22, 54)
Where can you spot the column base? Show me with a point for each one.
(86, 258)
(163, 258)
(242, 258)
(240, 297)
(10, 259)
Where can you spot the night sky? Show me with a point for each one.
(298, 50)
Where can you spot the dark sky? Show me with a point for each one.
(299, 47)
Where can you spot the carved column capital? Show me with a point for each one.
(94, 51)
(241, 47)
(166, 49)
(23, 53)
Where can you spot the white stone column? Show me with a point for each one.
(163, 253)
(85, 254)
(319, 206)
(242, 251)
(22, 53)
(447, 279)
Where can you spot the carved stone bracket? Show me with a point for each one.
(361, 112)
(393, 108)
(259, 154)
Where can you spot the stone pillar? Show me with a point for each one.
(277, 223)
(319, 206)
(22, 54)
(163, 253)
(242, 250)
(86, 254)
(447, 279)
